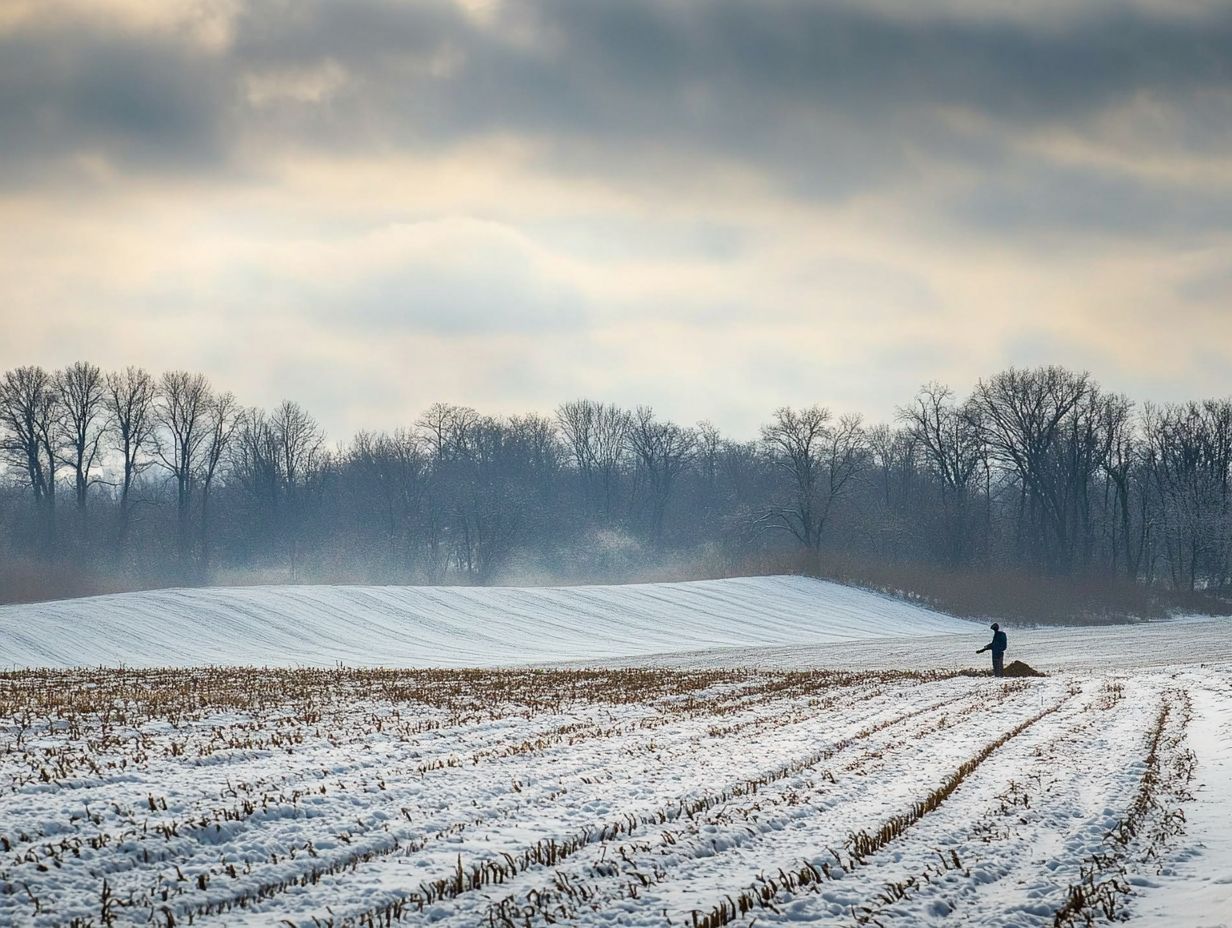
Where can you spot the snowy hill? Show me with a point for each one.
(450, 626)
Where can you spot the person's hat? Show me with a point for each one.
(996, 627)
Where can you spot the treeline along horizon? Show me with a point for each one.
(166, 479)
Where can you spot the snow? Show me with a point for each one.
(729, 760)
(1198, 890)
(636, 801)
(449, 626)
(1188, 640)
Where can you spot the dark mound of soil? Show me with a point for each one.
(1020, 669)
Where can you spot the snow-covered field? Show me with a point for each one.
(288, 626)
(605, 797)
(1089, 649)
(703, 791)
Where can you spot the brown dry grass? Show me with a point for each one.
(25, 581)
(1003, 593)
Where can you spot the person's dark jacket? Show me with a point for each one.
(998, 644)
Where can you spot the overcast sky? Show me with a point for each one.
(712, 206)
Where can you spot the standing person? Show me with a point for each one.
(997, 646)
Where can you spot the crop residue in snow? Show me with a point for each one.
(707, 797)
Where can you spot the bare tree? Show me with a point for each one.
(388, 479)
(301, 445)
(1187, 451)
(539, 440)
(182, 415)
(663, 450)
(1121, 457)
(302, 458)
(82, 390)
(953, 447)
(488, 500)
(278, 459)
(819, 459)
(887, 522)
(611, 426)
(949, 435)
(447, 429)
(709, 445)
(222, 417)
(1038, 468)
(30, 415)
(255, 459)
(129, 397)
(596, 435)
(1024, 414)
(434, 426)
(577, 424)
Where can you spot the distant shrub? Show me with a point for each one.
(1002, 593)
(23, 581)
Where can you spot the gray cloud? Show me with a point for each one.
(1043, 199)
(825, 97)
(144, 105)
